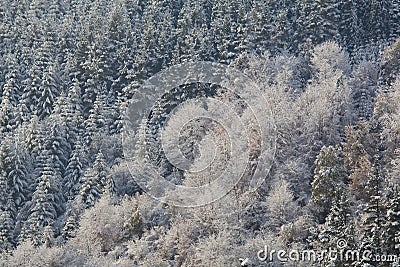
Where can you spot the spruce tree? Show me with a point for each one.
(17, 166)
(7, 226)
(47, 93)
(391, 234)
(74, 171)
(94, 181)
(329, 178)
(47, 202)
(374, 213)
(339, 226)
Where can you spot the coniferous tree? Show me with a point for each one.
(363, 89)
(94, 181)
(17, 165)
(391, 234)
(47, 202)
(70, 227)
(373, 220)
(47, 93)
(98, 118)
(357, 159)
(329, 178)
(74, 112)
(74, 171)
(339, 226)
(6, 231)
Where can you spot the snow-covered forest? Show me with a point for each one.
(329, 70)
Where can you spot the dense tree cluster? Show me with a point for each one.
(69, 68)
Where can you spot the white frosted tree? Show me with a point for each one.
(280, 204)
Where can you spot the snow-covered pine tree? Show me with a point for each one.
(70, 226)
(96, 123)
(58, 146)
(391, 233)
(7, 226)
(48, 92)
(339, 225)
(364, 83)
(94, 181)
(47, 202)
(350, 29)
(329, 178)
(226, 27)
(74, 112)
(10, 95)
(356, 152)
(48, 239)
(3, 186)
(8, 214)
(17, 164)
(134, 225)
(74, 171)
(35, 136)
(374, 213)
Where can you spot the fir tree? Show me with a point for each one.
(48, 91)
(339, 226)
(329, 178)
(6, 231)
(17, 164)
(74, 171)
(47, 202)
(94, 181)
(391, 234)
(373, 220)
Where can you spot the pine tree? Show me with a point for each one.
(8, 213)
(3, 186)
(35, 136)
(339, 226)
(134, 225)
(74, 171)
(94, 181)
(329, 178)
(35, 86)
(58, 146)
(109, 186)
(373, 221)
(10, 96)
(17, 165)
(47, 202)
(48, 239)
(6, 231)
(391, 234)
(74, 112)
(70, 226)
(97, 121)
(118, 114)
(356, 151)
(47, 93)
(350, 29)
